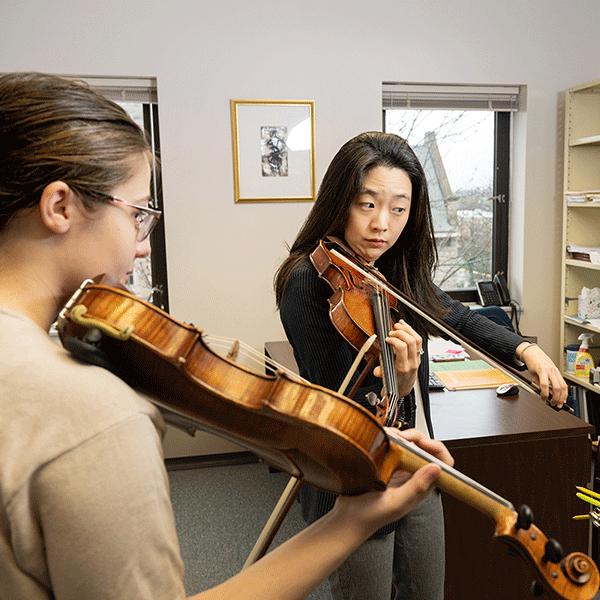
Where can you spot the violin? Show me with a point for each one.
(353, 315)
(358, 310)
(312, 433)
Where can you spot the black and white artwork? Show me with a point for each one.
(273, 151)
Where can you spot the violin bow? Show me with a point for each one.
(452, 333)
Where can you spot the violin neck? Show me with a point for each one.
(411, 458)
(383, 325)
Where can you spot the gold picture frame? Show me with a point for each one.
(273, 150)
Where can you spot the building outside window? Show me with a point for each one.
(461, 135)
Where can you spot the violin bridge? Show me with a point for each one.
(234, 350)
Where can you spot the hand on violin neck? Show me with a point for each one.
(371, 511)
(407, 345)
(433, 447)
(404, 490)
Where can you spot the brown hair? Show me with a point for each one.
(409, 263)
(56, 129)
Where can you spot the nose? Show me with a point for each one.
(143, 248)
(379, 221)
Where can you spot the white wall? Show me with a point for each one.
(221, 256)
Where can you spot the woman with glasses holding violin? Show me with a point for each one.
(85, 510)
(373, 200)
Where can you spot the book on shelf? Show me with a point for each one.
(589, 254)
(592, 196)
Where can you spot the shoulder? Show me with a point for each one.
(303, 280)
(56, 403)
(304, 269)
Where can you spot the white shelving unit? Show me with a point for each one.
(581, 220)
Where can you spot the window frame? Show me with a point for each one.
(158, 263)
(143, 90)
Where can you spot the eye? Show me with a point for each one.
(139, 218)
(398, 210)
(365, 204)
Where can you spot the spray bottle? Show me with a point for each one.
(584, 361)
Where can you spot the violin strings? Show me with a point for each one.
(381, 312)
(387, 320)
(255, 356)
(393, 392)
(413, 449)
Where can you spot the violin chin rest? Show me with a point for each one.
(88, 352)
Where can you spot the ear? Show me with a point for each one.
(56, 207)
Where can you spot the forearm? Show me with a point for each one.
(293, 569)
(498, 341)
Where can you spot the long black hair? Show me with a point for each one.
(409, 263)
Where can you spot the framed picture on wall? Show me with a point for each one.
(273, 150)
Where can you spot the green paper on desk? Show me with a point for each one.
(462, 365)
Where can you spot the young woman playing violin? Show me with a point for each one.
(84, 499)
(374, 199)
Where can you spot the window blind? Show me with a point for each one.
(124, 89)
(440, 96)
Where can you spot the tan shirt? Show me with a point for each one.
(85, 511)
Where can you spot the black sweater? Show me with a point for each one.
(324, 356)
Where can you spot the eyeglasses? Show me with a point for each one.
(146, 218)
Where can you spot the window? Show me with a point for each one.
(139, 98)
(461, 135)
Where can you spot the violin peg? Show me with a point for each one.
(525, 518)
(553, 552)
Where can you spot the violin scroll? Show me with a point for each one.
(574, 576)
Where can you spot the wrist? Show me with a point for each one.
(349, 516)
(522, 349)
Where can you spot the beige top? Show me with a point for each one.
(85, 510)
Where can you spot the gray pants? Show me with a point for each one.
(411, 560)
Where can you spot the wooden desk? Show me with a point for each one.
(524, 451)
(529, 454)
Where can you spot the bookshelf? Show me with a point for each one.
(581, 212)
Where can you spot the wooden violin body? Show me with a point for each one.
(310, 432)
(350, 305)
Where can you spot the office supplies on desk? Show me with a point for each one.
(507, 389)
(450, 355)
(470, 375)
(592, 498)
(435, 383)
